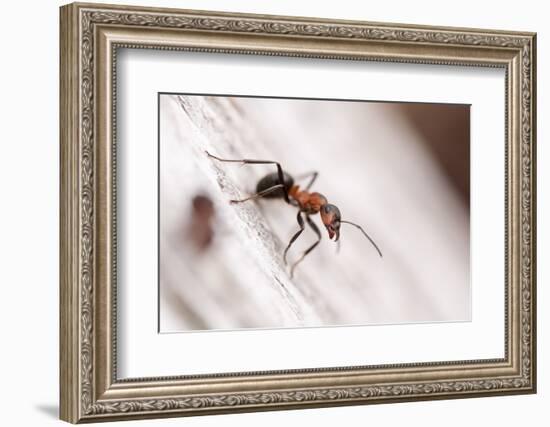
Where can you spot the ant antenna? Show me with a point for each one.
(365, 233)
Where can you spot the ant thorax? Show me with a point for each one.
(310, 203)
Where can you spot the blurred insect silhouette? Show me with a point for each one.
(200, 229)
(281, 185)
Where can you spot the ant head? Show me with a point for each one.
(330, 215)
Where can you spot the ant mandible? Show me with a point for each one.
(279, 185)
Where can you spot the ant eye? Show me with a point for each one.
(334, 211)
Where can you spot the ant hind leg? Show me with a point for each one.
(258, 162)
(260, 194)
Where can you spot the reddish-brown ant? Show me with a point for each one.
(280, 184)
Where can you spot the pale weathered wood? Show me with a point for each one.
(372, 165)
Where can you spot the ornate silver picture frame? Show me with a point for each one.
(92, 36)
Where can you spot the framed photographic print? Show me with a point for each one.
(266, 212)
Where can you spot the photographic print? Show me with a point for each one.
(287, 213)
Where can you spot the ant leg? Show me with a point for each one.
(313, 178)
(258, 162)
(313, 175)
(308, 250)
(293, 239)
(260, 194)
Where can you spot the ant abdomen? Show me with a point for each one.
(272, 179)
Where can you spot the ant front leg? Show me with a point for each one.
(259, 162)
(308, 250)
(293, 238)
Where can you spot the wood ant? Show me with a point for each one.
(280, 185)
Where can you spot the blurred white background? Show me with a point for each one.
(375, 164)
(29, 219)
